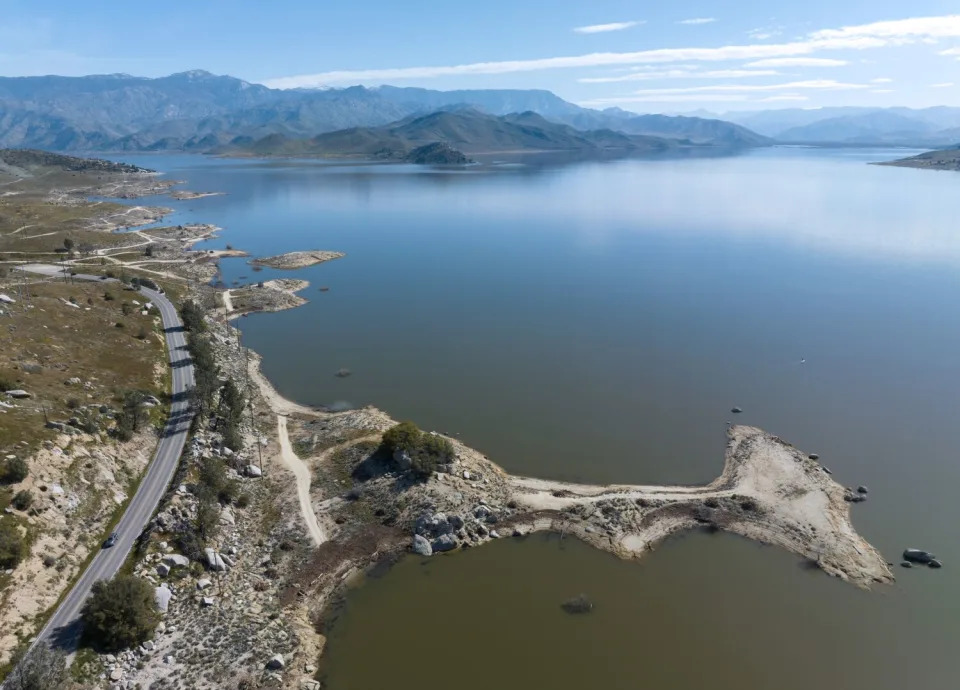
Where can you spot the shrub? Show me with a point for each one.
(107, 297)
(426, 451)
(13, 547)
(13, 470)
(120, 613)
(43, 668)
(6, 384)
(403, 436)
(22, 500)
(143, 333)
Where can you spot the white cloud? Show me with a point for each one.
(898, 29)
(681, 74)
(765, 33)
(669, 98)
(881, 90)
(783, 97)
(696, 21)
(881, 80)
(867, 36)
(603, 28)
(942, 85)
(813, 84)
(798, 62)
(950, 52)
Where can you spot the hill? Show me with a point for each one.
(465, 130)
(26, 162)
(946, 159)
(199, 111)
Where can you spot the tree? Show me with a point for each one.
(192, 315)
(426, 451)
(403, 436)
(13, 470)
(42, 668)
(148, 251)
(13, 548)
(120, 613)
(68, 244)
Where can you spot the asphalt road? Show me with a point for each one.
(63, 628)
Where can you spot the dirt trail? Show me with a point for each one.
(302, 474)
(227, 301)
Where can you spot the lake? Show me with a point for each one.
(597, 322)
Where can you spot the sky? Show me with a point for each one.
(641, 56)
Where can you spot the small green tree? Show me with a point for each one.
(68, 244)
(22, 500)
(192, 315)
(13, 547)
(404, 436)
(120, 613)
(13, 470)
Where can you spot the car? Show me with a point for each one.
(111, 540)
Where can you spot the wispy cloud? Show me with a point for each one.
(765, 33)
(783, 97)
(951, 52)
(696, 21)
(668, 98)
(881, 80)
(812, 84)
(603, 28)
(681, 74)
(942, 85)
(798, 62)
(863, 37)
(881, 90)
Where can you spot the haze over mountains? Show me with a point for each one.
(927, 127)
(198, 111)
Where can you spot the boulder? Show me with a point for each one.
(162, 595)
(176, 560)
(862, 490)
(421, 546)
(207, 601)
(214, 561)
(253, 471)
(203, 583)
(917, 556)
(934, 563)
(446, 542)
(403, 460)
(19, 393)
(736, 410)
(276, 662)
(163, 570)
(906, 564)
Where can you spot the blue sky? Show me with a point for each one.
(637, 55)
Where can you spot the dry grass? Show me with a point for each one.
(44, 346)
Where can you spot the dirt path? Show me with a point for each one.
(302, 474)
(227, 301)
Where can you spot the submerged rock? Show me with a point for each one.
(918, 556)
(446, 542)
(736, 410)
(577, 605)
(862, 490)
(906, 564)
(934, 564)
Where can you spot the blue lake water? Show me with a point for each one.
(596, 322)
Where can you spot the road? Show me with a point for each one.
(63, 628)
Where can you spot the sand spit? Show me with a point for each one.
(292, 260)
(768, 491)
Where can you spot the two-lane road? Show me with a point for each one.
(64, 626)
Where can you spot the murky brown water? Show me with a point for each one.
(597, 322)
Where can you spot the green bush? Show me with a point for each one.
(426, 451)
(22, 500)
(120, 613)
(13, 470)
(13, 547)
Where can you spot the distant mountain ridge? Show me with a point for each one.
(199, 111)
(933, 127)
(464, 130)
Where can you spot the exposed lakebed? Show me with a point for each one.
(597, 322)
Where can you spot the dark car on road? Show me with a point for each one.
(111, 540)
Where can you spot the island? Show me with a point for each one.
(300, 259)
(941, 159)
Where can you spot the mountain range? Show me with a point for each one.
(465, 130)
(199, 111)
(926, 127)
